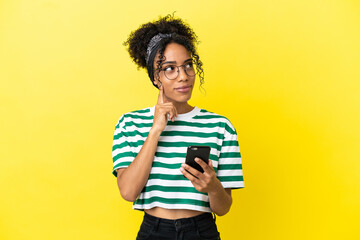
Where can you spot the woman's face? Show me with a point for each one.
(180, 88)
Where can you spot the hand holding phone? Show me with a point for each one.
(202, 152)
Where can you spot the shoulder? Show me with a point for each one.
(131, 115)
(215, 117)
(208, 114)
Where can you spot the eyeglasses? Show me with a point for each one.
(172, 71)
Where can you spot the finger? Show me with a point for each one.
(176, 112)
(188, 175)
(169, 110)
(161, 95)
(211, 164)
(192, 170)
(202, 164)
(173, 108)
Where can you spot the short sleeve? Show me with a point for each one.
(122, 154)
(230, 171)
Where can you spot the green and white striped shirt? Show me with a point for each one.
(166, 186)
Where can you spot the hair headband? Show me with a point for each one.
(152, 48)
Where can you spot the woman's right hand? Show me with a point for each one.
(163, 110)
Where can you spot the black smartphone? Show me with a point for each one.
(202, 152)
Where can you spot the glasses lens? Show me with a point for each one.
(171, 72)
(190, 70)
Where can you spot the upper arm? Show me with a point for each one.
(119, 172)
(228, 191)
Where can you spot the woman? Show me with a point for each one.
(150, 144)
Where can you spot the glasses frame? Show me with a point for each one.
(178, 70)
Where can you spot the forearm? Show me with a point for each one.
(220, 200)
(133, 179)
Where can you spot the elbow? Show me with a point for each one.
(128, 196)
(222, 212)
(127, 193)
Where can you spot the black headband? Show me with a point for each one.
(152, 48)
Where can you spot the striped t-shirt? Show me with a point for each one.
(166, 186)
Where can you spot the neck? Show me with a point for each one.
(183, 107)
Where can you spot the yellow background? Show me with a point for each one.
(286, 73)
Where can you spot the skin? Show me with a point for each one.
(170, 103)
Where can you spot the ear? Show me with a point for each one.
(157, 83)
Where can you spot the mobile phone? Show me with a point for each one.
(202, 152)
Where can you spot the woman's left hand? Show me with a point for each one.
(203, 182)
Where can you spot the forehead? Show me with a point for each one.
(176, 52)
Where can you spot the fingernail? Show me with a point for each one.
(181, 169)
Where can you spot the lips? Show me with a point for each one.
(183, 89)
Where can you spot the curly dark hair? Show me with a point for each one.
(183, 34)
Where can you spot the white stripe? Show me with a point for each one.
(212, 120)
(230, 160)
(121, 150)
(225, 149)
(181, 128)
(174, 195)
(156, 170)
(173, 160)
(175, 139)
(170, 183)
(124, 159)
(222, 173)
(180, 150)
(118, 141)
(188, 139)
(171, 206)
(139, 120)
(233, 184)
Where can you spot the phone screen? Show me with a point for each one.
(202, 152)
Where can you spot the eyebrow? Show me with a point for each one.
(190, 59)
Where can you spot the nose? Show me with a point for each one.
(182, 73)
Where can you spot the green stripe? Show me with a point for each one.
(170, 165)
(178, 123)
(231, 178)
(167, 177)
(166, 165)
(194, 124)
(141, 111)
(177, 144)
(230, 155)
(172, 189)
(139, 116)
(120, 121)
(192, 134)
(208, 117)
(229, 129)
(137, 133)
(119, 135)
(119, 146)
(186, 144)
(138, 125)
(180, 155)
(230, 166)
(230, 143)
(171, 201)
(121, 155)
(122, 164)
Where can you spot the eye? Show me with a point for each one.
(169, 68)
(189, 65)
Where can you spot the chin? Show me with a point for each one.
(181, 99)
